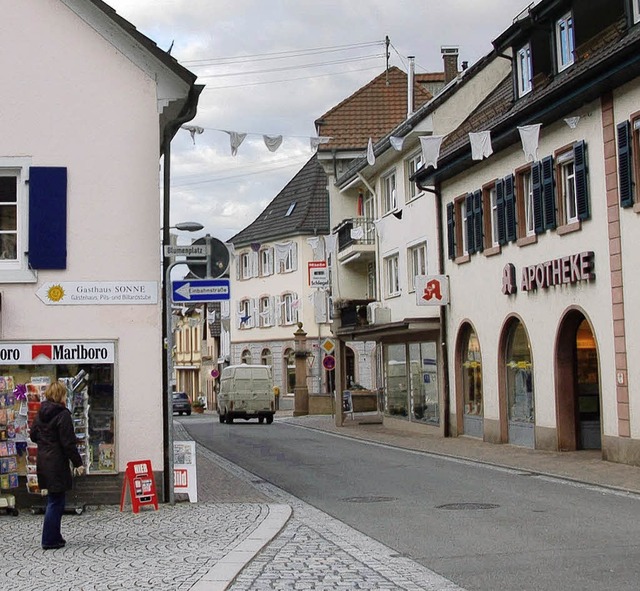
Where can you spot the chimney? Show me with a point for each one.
(410, 85)
(450, 57)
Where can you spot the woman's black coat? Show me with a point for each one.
(53, 431)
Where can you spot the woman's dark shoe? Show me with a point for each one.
(54, 546)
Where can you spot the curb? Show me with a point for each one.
(227, 568)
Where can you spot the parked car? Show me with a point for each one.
(181, 403)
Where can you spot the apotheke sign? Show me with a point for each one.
(54, 353)
(561, 271)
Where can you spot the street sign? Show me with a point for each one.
(328, 346)
(187, 250)
(329, 362)
(432, 290)
(318, 274)
(197, 291)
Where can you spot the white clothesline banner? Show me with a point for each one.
(272, 142)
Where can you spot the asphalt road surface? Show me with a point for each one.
(484, 528)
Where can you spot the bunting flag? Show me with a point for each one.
(244, 319)
(193, 129)
(397, 214)
(529, 136)
(572, 122)
(371, 158)
(255, 246)
(236, 139)
(396, 142)
(316, 141)
(431, 149)
(480, 145)
(273, 142)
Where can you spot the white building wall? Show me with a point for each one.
(73, 101)
(476, 286)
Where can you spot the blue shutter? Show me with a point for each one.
(625, 164)
(510, 209)
(471, 238)
(536, 188)
(47, 217)
(548, 193)
(582, 188)
(451, 231)
(477, 221)
(502, 237)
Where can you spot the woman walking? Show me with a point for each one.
(53, 431)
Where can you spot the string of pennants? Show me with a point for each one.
(480, 144)
(272, 142)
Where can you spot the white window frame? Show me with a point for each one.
(527, 192)
(567, 180)
(245, 265)
(264, 311)
(463, 224)
(565, 41)
(17, 270)
(392, 275)
(244, 309)
(289, 314)
(493, 200)
(389, 192)
(416, 263)
(266, 262)
(524, 70)
(413, 164)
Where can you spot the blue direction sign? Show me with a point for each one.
(200, 290)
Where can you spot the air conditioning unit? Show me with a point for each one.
(382, 315)
(378, 314)
(371, 308)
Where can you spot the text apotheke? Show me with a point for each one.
(561, 271)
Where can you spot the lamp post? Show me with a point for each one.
(167, 366)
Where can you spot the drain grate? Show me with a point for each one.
(467, 506)
(369, 499)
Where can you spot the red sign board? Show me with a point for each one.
(329, 362)
(142, 487)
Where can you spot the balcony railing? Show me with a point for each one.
(355, 231)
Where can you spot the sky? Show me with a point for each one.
(272, 67)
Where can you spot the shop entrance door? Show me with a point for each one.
(577, 386)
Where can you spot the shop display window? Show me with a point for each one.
(472, 375)
(90, 398)
(519, 375)
(395, 358)
(425, 405)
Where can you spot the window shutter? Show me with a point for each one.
(239, 315)
(278, 310)
(294, 256)
(451, 231)
(477, 221)
(471, 242)
(536, 188)
(502, 234)
(582, 188)
(548, 193)
(254, 311)
(238, 261)
(510, 209)
(272, 313)
(270, 261)
(254, 263)
(47, 217)
(625, 161)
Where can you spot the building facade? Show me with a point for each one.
(83, 124)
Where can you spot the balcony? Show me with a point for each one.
(356, 240)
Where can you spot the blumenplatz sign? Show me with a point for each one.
(566, 270)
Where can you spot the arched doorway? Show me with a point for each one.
(518, 398)
(350, 366)
(469, 389)
(577, 385)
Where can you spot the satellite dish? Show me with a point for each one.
(218, 255)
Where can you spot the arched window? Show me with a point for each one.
(266, 358)
(472, 374)
(519, 375)
(246, 357)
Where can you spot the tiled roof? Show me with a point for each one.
(370, 112)
(310, 215)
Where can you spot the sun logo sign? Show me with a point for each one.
(55, 293)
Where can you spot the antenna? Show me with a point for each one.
(387, 42)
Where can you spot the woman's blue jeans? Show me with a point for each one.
(51, 535)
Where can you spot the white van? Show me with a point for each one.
(246, 392)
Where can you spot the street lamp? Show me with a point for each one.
(167, 404)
